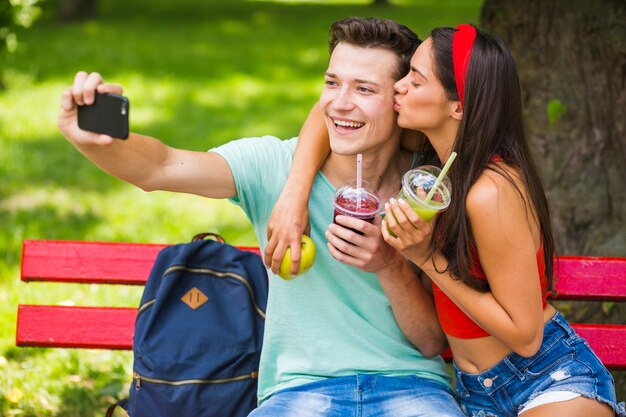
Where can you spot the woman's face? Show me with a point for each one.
(420, 99)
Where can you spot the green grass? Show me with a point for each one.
(198, 74)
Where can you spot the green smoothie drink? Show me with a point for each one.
(417, 184)
(426, 212)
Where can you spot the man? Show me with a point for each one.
(332, 346)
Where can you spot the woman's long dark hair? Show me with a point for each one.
(491, 125)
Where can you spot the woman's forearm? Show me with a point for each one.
(311, 152)
(484, 309)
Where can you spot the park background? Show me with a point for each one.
(198, 74)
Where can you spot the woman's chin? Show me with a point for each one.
(404, 123)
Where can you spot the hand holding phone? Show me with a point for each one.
(107, 115)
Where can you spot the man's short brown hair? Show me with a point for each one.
(374, 32)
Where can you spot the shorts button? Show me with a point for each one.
(488, 382)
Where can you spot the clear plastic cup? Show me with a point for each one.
(361, 203)
(417, 183)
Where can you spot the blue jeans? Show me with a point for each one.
(564, 362)
(363, 396)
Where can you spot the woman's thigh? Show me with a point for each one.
(578, 407)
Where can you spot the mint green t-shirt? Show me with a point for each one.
(334, 320)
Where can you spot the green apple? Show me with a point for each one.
(307, 258)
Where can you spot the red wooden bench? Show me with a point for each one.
(578, 278)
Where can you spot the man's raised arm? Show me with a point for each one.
(141, 160)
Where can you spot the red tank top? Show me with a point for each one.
(455, 322)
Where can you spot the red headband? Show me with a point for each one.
(462, 43)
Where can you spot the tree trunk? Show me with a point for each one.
(571, 57)
(77, 10)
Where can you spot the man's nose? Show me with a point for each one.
(343, 100)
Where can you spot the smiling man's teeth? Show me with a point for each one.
(346, 123)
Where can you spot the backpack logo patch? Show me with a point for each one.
(194, 298)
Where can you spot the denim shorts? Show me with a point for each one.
(564, 362)
(363, 395)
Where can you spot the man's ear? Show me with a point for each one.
(456, 110)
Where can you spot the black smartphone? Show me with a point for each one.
(107, 115)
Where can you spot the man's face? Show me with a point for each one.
(357, 100)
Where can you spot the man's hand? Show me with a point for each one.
(83, 92)
(360, 244)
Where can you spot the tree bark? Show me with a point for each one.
(574, 51)
(571, 57)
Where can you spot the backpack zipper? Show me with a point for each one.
(139, 378)
(232, 275)
(145, 305)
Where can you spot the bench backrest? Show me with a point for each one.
(578, 278)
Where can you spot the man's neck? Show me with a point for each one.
(382, 169)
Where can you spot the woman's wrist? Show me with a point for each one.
(433, 265)
(296, 194)
(299, 184)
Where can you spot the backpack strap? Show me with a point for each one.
(214, 236)
(121, 403)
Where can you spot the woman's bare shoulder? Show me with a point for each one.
(497, 188)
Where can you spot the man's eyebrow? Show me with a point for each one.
(363, 81)
(357, 80)
(418, 72)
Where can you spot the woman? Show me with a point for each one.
(490, 255)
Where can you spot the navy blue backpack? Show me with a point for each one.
(198, 333)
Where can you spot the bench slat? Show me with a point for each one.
(578, 278)
(112, 328)
(77, 327)
(608, 341)
(590, 278)
(90, 262)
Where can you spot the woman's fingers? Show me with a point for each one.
(272, 242)
(295, 249)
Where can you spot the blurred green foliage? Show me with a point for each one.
(14, 14)
(555, 110)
